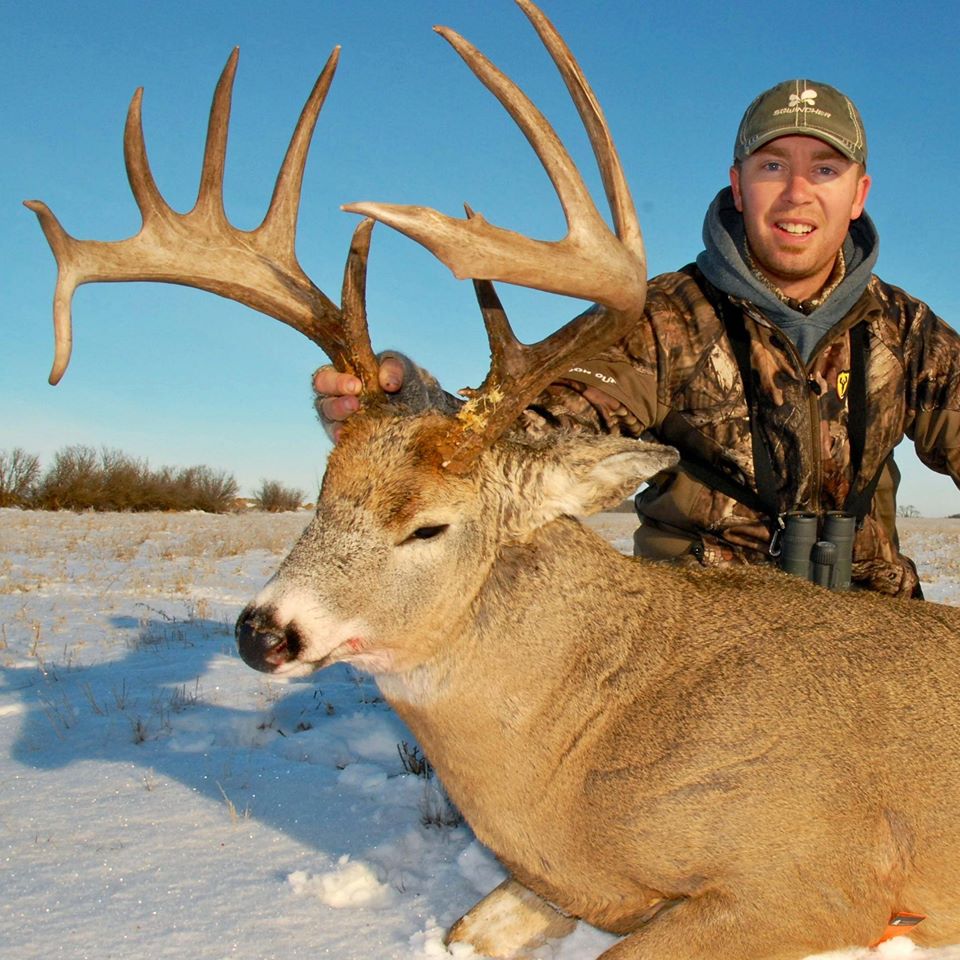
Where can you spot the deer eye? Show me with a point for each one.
(427, 533)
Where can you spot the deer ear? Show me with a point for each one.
(597, 472)
(580, 475)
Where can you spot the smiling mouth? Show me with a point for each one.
(795, 229)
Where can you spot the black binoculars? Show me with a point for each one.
(823, 559)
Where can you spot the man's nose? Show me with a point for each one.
(798, 189)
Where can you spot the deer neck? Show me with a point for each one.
(519, 684)
(520, 613)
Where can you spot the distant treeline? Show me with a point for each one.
(82, 478)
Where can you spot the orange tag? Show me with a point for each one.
(900, 925)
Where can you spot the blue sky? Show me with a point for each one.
(179, 376)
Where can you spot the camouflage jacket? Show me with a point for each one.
(678, 381)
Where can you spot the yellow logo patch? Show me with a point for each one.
(843, 381)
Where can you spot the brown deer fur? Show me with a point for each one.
(722, 764)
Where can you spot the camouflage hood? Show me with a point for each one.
(723, 264)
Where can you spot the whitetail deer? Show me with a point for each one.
(727, 765)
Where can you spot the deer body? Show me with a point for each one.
(750, 765)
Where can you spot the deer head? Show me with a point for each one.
(398, 552)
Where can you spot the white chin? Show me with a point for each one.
(293, 669)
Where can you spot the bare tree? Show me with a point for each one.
(19, 472)
(81, 478)
(203, 488)
(274, 497)
(73, 481)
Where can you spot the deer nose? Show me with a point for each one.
(262, 642)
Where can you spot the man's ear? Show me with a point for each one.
(735, 187)
(860, 199)
(579, 475)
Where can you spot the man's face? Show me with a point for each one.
(797, 196)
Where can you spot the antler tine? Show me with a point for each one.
(202, 249)
(362, 359)
(65, 252)
(280, 223)
(590, 262)
(588, 107)
(497, 326)
(210, 191)
(148, 198)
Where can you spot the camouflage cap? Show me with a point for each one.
(806, 108)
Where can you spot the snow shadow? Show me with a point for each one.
(172, 698)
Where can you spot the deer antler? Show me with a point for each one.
(590, 262)
(203, 249)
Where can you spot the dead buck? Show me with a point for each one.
(724, 765)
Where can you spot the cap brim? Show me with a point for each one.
(792, 130)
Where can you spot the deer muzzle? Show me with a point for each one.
(263, 643)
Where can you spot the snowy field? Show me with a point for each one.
(160, 799)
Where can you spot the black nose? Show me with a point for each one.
(263, 644)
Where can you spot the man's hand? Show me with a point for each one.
(338, 393)
(609, 406)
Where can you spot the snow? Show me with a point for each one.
(160, 799)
